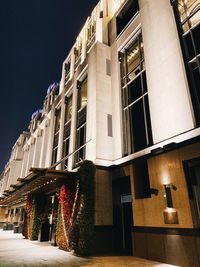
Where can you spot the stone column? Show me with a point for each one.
(73, 128)
(61, 133)
(50, 138)
(24, 164)
(37, 149)
(30, 156)
(44, 144)
(170, 106)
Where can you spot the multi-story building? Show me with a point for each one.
(128, 100)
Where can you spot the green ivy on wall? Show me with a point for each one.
(34, 220)
(86, 213)
(37, 211)
(75, 212)
(75, 223)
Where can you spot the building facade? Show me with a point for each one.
(129, 101)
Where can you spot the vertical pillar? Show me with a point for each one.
(72, 64)
(50, 138)
(30, 155)
(62, 82)
(170, 106)
(44, 144)
(73, 129)
(24, 164)
(84, 43)
(37, 149)
(61, 133)
(101, 22)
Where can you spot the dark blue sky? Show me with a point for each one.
(36, 36)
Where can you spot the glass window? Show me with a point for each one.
(66, 152)
(126, 14)
(189, 13)
(81, 121)
(54, 154)
(136, 118)
(68, 111)
(57, 122)
(77, 51)
(67, 71)
(56, 134)
(188, 17)
(82, 94)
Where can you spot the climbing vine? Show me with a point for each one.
(66, 200)
(86, 213)
(75, 212)
(36, 212)
(75, 222)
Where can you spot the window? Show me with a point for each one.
(67, 71)
(189, 12)
(91, 32)
(81, 120)
(68, 109)
(82, 93)
(188, 18)
(126, 14)
(66, 151)
(135, 107)
(77, 51)
(67, 129)
(57, 122)
(56, 135)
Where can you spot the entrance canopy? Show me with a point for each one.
(39, 180)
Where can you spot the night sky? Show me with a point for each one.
(36, 36)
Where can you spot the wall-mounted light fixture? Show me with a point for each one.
(154, 191)
(168, 195)
(170, 214)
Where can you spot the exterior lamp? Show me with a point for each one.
(170, 214)
(168, 195)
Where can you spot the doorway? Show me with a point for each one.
(122, 216)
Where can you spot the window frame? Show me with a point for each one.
(129, 141)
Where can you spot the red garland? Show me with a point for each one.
(66, 200)
(28, 206)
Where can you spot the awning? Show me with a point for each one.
(39, 180)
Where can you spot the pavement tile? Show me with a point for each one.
(15, 251)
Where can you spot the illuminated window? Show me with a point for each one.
(187, 13)
(67, 129)
(68, 109)
(82, 94)
(81, 120)
(56, 135)
(91, 32)
(136, 118)
(77, 51)
(67, 71)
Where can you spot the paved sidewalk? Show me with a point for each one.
(15, 251)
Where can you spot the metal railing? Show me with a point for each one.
(70, 154)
